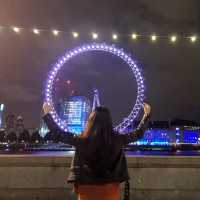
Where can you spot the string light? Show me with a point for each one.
(173, 38)
(114, 36)
(94, 36)
(36, 31)
(134, 36)
(153, 38)
(75, 34)
(193, 38)
(55, 32)
(16, 29)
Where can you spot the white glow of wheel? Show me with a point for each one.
(105, 48)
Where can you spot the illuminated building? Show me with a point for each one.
(1, 114)
(75, 113)
(96, 101)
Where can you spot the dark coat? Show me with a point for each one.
(87, 169)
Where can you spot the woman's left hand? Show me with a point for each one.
(46, 108)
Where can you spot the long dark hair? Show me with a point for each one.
(100, 130)
(102, 125)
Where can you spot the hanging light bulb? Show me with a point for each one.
(36, 31)
(16, 29)
(134, 36)
(94, 36)
(193, 38)
(114, 36)
(153, 38)
(75, 34)
(173, 38)
(55, 32)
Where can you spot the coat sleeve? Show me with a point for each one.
(135, 135)
(67, 137)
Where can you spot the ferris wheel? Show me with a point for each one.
(110, 49)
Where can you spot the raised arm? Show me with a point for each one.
(67, 137)
(139, 132)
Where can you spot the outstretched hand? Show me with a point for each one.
(147, 109)
(46, 108)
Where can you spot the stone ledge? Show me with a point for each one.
(163, 161)
(64, 160)
(43, 177)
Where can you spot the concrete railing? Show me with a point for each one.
(43, 176)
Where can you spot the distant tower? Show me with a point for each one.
(96, 101)
(43, 130)
(19, 122)
(19, 125)
(10, 122)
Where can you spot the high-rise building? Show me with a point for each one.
(96, 101)
(1, 114)
(75, 113)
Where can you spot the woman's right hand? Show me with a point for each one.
(147, 109)
(46, 108)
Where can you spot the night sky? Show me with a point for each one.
(171, 71)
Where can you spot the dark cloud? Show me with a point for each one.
(20, 93)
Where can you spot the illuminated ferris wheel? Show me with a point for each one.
(110, 49)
